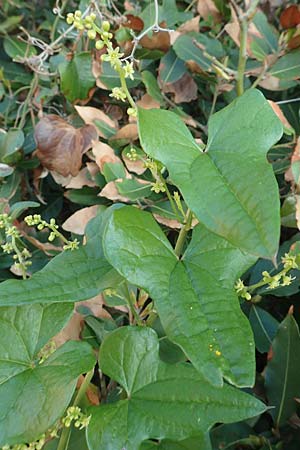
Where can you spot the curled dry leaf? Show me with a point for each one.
(135, 23)
(158, 41)
(77, 222)
(111, 192)
(74, 327)
(129, 133)
(147, 102)
(289, 175)
(185, 89)
(137, 166)
(233, 30)
(278, 111)
(104, 154)
(189, 26)
(82, 179)
(60, 146)
(207, 9)
(91, 115)
(172, 223)
(290, 17)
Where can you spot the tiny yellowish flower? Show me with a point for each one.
(128, 70)
(118, 93)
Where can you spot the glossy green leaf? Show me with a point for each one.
(288, 66)
(194, 297)
(282, 373)
(76, 77)
(243, 205)
(264, 328)
(200, 442)
(32, 395)
(176, 404)
(14, 47)
(10, 144)
(186, 49)
(69, 277)
(171, 68)
(139, 367)
(133, 188)
(152, 86)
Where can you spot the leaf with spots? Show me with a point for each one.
(194, 297)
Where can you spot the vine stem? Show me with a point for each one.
(32, 88)
(66, 432)
(125, 88)
(132, 307)
(59, 12)
(183, 233)
(244, 19)
(242, 57)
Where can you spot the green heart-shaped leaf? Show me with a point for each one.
(69, 277)
(195, 297)
(33, 395)
(176, 404)
(230, 187)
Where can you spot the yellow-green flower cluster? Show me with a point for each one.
(158, 187)
(74, 414)
(103, 36)
(242, 290)
(280, 279)
(12, 244)
(36, 220)
(132, 154)
(39, 443)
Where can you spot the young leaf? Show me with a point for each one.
(176, 404)
(194, 297)
(32, 395)
(264, 328)
(76, 77)
(282, 373)
(243, 205)
(69, 277)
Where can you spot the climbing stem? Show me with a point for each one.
(125, 88)
(183, 233)
(66, 432)
(242, 56)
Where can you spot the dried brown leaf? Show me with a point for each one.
(77, 222)
(104, 154)
(278, 111)
(207, 9)
(290, 17)
(129, 133)
(185, 89)
(89, 114)
(111, 192)
(148, 102)
(60, 146)
(158, 41)
(189, 26)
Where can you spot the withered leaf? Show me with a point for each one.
(185, 89)
(60, 146)
(290, 17)
(158, 41)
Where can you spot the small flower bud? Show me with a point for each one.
(78, 14)
(105, 25)
(92, 34)
(99, 45)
